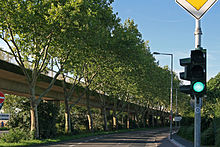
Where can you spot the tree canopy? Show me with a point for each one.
(85, 39)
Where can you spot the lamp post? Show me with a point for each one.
(171, 90)
(176, 104)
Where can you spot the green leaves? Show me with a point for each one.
(85, 39)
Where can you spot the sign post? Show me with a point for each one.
(2, 98)
(197, 8)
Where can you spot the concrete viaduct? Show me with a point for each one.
(12, 81)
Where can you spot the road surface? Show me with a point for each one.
(149, 138)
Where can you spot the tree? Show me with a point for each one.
(85, 33)
(29, 31)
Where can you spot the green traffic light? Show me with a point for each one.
(198, 87)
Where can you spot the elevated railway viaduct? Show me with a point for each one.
(13, 81)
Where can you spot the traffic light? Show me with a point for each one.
(186, 75)
(195, 72)
(198, 72)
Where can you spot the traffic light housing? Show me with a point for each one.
(186, 75)
(198, 71)
(195, 72)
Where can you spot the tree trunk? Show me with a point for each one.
(128, 118)
(67, 118)
(34, 113)
(144, 118)
(67, 107)
(114, 123)
(144, 121)
(105, 119)
(90, 119)
(137, 120)
(147, 118)
(122, 120)
(153, 118)
(115, 120)
(89, 123)
(128, 122)
(164, 120)
(34, 120)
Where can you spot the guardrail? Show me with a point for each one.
(9, 57)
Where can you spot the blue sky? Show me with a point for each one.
(170, 29)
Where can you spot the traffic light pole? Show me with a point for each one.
(198, 100)
(198, 34)
(197, 122)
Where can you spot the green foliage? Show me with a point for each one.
(187, 121)
(20, 115)
(4, 128)
(212, 106)
(207, 130)
(213, 88)
(18, 107)
(208, 136)
(217, 132)
(205, 123)
(48, 113)
(87, 40)
(15, 135)
(187, 132)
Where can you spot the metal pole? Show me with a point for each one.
(198, 33)
(171, 91)
(176, 109)
(176, 104)
(198, 101)
(197, 123)
(171, 97)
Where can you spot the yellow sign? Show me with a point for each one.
(197, 3)
(197, 8)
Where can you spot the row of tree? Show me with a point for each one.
(83, 39)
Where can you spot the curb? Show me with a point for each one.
(175, 142)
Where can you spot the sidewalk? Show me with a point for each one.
(181, 142)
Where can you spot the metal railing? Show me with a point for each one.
(9, 57)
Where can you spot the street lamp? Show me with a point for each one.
(171, 90)
(176, 108)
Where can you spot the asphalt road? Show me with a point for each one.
(149, 138)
